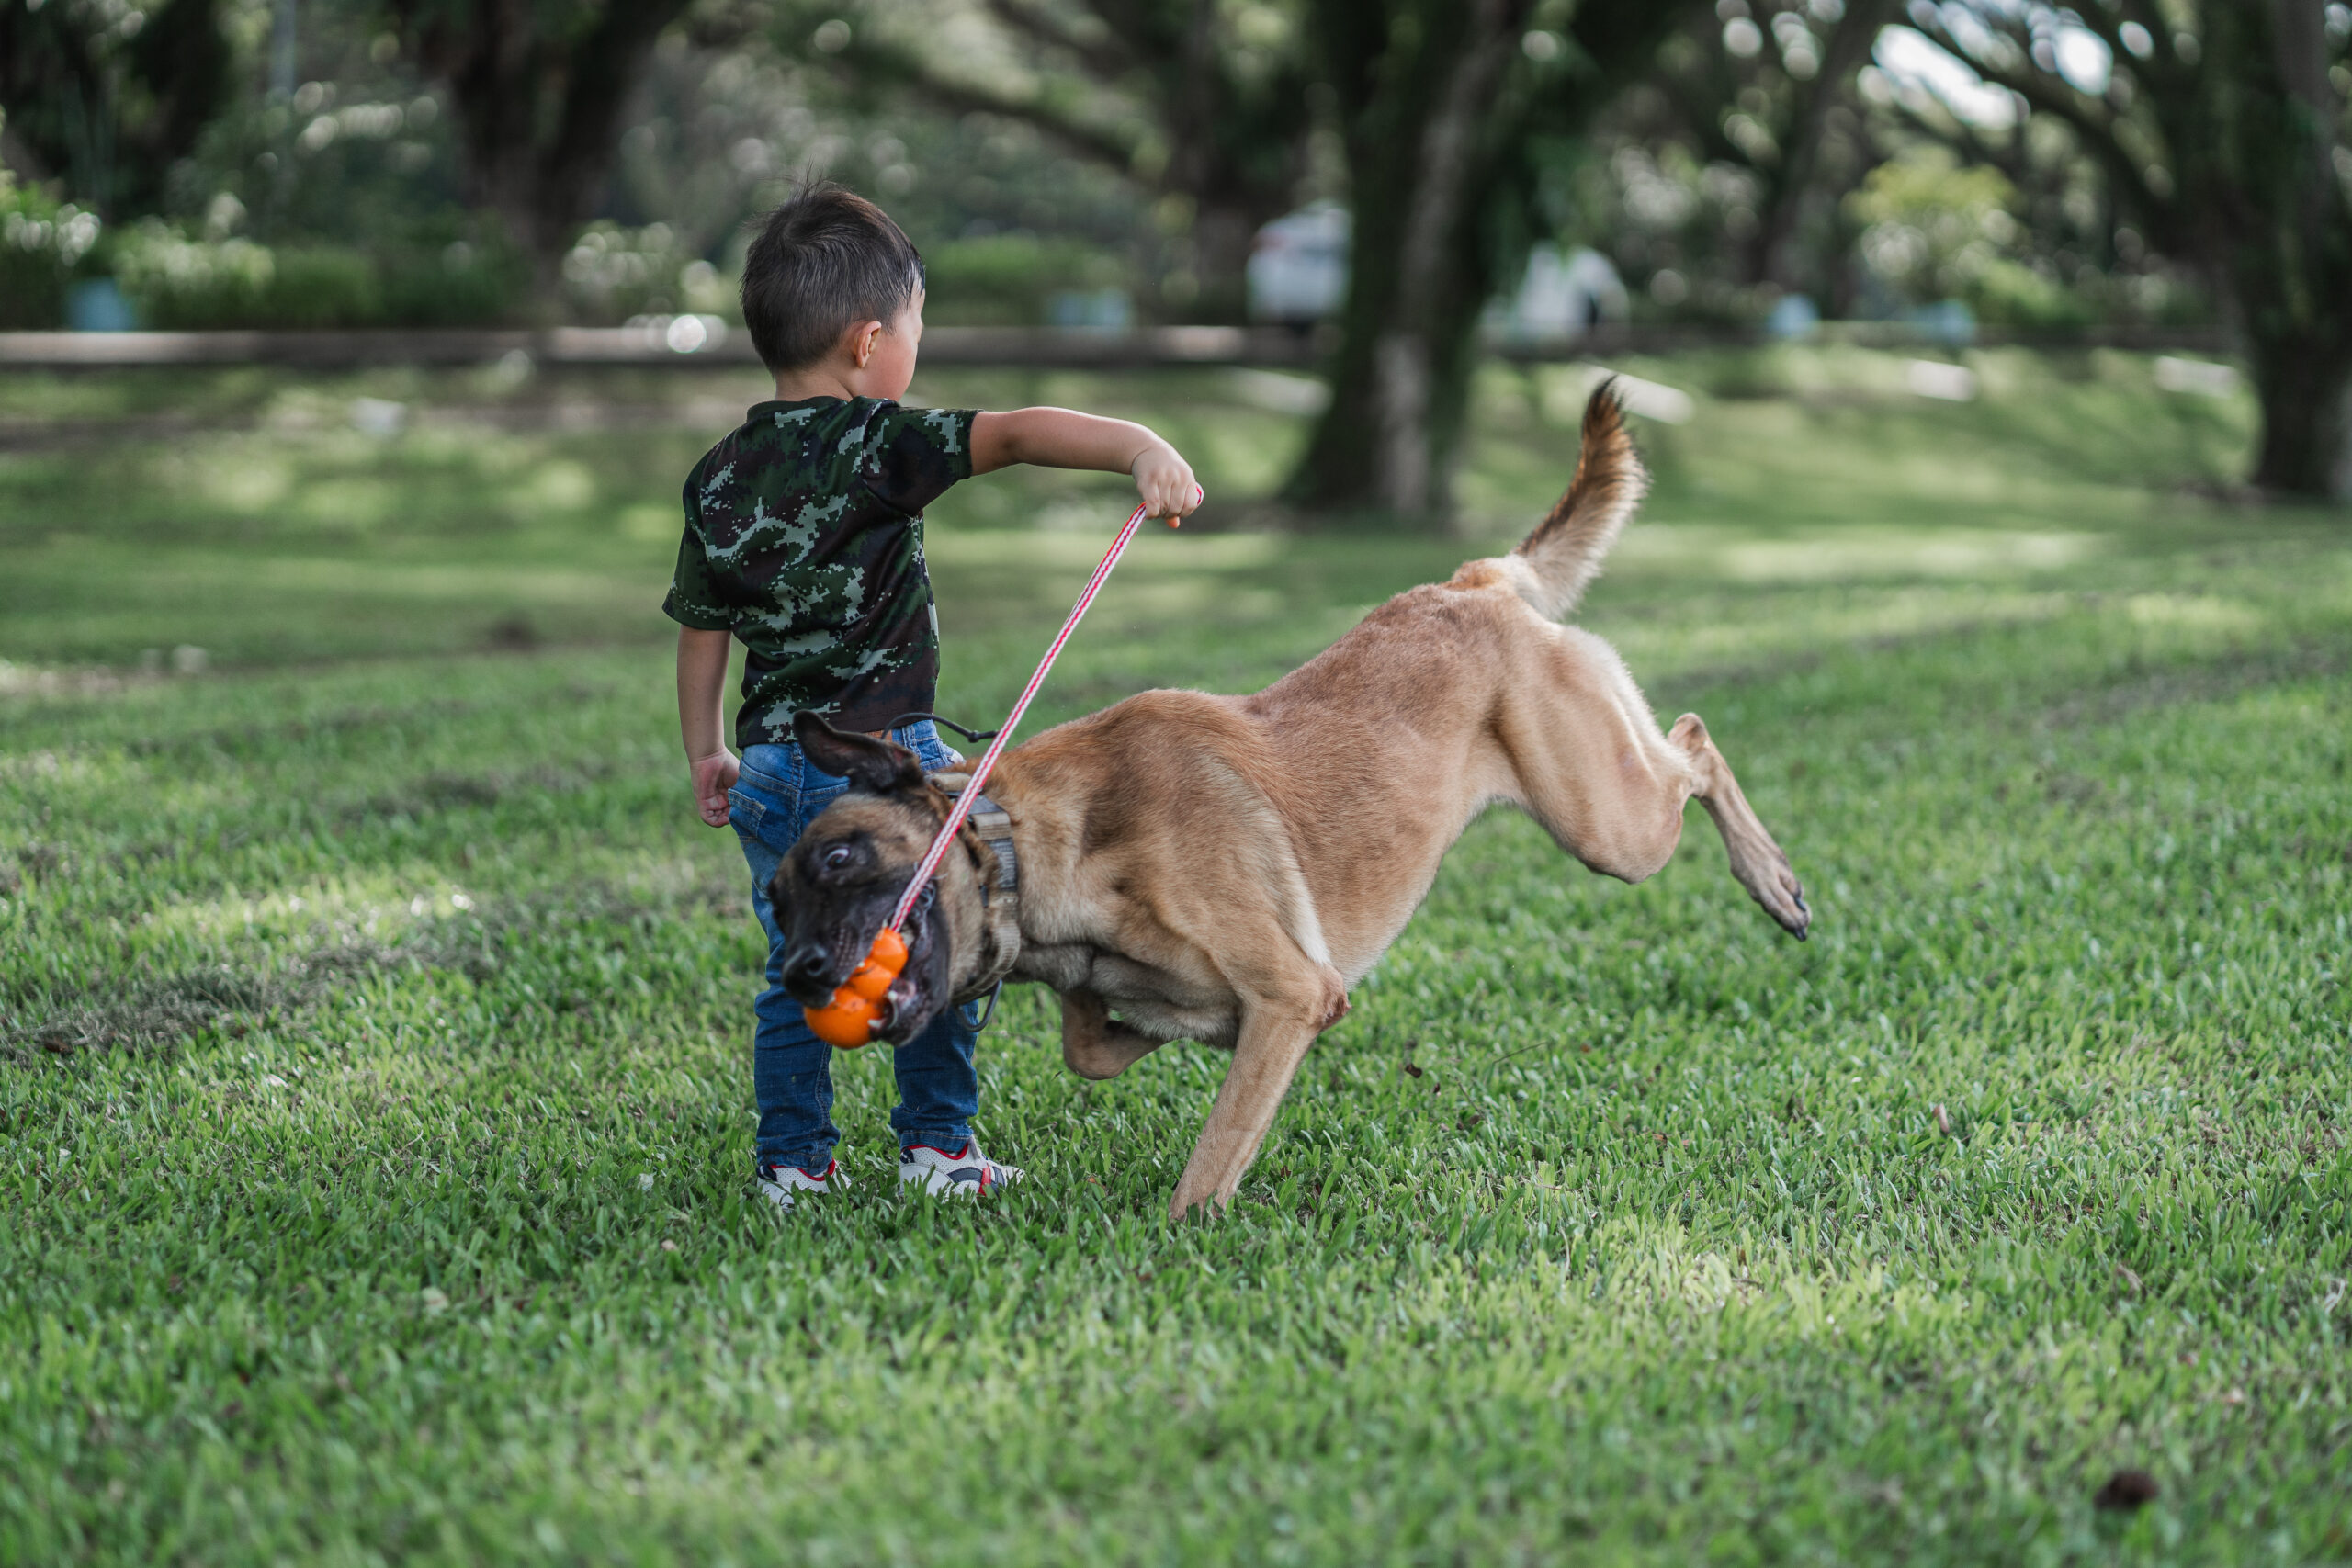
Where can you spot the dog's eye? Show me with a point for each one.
(837, 857)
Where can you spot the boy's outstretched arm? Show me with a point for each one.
(1064, 438)
(702, 683)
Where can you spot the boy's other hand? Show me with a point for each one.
(1164, 482)
(714, 777)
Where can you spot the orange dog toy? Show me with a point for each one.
(849, 1020)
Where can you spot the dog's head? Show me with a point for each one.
(837, 884)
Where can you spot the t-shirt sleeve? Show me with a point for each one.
(917, 453)
(694, 598)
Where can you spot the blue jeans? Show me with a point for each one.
(778, 794)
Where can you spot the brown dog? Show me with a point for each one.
(1222, 868)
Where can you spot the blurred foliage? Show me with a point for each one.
(1033, 146)
(176, 283)
(1006, 279)
(1665, 216)
(1687, 184)
(343, 202)
(366, 161)
(2223, 130)
(1719, 177)
(2087, 258)
(1207, 111)
(1933, 229)
(106, 97)
(725, 122)
(539, 93)
(728, 131)
(612, 273)
(42, 242)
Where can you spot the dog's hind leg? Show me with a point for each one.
(1756, 859)
(1592, 766)
(1274, 1038)
(1276, 1030)
(1096, 1044)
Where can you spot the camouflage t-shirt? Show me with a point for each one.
(804, 537)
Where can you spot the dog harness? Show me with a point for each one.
(989, 827)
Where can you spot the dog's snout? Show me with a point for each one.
(806, 968)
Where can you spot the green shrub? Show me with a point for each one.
(176, 284)
(324, 287)
(1005, 279)
(461, 284)
(40, 244)
(2009, 294)
(179, 284)
(612, 273)
(1931, 227)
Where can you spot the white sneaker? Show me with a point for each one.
(964, 1173)
(779, 1182)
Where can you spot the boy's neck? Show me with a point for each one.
(817, 381)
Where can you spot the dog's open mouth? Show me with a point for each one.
(907, 1001)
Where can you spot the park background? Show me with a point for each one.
(374, 1111)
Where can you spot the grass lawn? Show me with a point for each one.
(374, 1103)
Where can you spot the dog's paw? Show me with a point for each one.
(1783, 899)
(1335, 998)
(1765, 872)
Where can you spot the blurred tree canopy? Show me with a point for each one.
(1764, 94)
(539, 88)
(1208, 106)
(2052, 168)
(2220, 126)
(106, 98)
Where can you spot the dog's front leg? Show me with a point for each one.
(1275, 1034)
(1096, 1044)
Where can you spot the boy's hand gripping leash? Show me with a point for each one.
(850, 1020)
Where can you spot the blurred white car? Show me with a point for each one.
(1298, 265)
(1298, 274)
(1560, 294)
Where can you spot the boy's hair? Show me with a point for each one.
(823, 262)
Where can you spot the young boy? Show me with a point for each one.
(804, 541)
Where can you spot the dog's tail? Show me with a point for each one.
(1564, 551)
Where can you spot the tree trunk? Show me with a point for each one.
(1438, 109)
(2292, 263)
(2305, 390)
(1792, 185)
(1419, 163)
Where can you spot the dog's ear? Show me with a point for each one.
(878, 767)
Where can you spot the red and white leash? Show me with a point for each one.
(854, 1013)
(971, 792)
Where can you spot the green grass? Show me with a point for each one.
(375, 1107)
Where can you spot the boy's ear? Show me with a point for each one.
(861, 338)
(878, 767)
